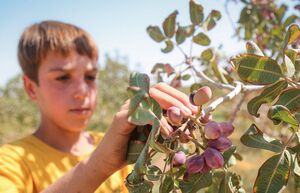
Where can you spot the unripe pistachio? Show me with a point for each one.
(195, 164)
(226, 128)
(212, 130)
(222, 143)
(179, 158)
(213, 158)
(206, 118)
(201, 96)
(175, 116)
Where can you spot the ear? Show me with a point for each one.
(30, 87)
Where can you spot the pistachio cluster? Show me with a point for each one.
(215, 138)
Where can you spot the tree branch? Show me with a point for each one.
(222, 99)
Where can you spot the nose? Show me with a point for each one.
(80, 90)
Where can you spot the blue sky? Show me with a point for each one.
(117, 26)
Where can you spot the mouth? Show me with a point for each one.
(81, 111)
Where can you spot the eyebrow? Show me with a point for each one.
(59, 69)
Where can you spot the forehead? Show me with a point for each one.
(73, 61)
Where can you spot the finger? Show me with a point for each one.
(166, 101)
(125, 106)
(183, 98)
(122, 117)
(165, 128)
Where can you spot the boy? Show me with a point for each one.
(59, 62)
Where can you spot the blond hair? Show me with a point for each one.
(38, 39)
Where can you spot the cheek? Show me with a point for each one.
(93, 98)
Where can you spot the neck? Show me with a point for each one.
(76, 143)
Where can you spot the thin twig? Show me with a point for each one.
(181, 50)
(222, 99)
(196, 143)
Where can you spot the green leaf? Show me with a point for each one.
(290, 98)
(167, 185)
(201, 39)
(297, 116)
(133, 151)
(153, 173)
(207, 54)
(280, 12)
(147, 111)
(155, 33)
(248, 31)
(195, 86)
(218, 72)
(169, 24)
(226, 185)
(297, 171)
(180, 35)
(141, 116)
(288, 66)
(255, 138)
(154, 144)
(280, 113)
(169, 46)
(155, 108)
(135, 100)
(273, 175)
(186, 77)
(292, 35)
(289, 20)
(210, 21)
(196, 12)
(245, 15)
(137, 141)
(228, 153)
(267, 96)
(145, 187)
(140, 164)
(195, 182)
(158, 67)
(296, 165)
(256, 69)
(252, 48)
(188, 30)
(133, 178)
(139, 80)
(292, 54)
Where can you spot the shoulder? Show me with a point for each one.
(14, 172)
(17, 147)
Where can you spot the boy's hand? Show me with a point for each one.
(116, 138)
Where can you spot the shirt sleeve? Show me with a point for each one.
(14, 175)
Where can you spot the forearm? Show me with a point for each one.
(90, 173)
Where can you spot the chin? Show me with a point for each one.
(76, 128)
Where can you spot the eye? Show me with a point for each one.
(62, 78)
(90, 77)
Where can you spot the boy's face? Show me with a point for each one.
(66, 94)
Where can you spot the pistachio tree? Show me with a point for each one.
(198, 152)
